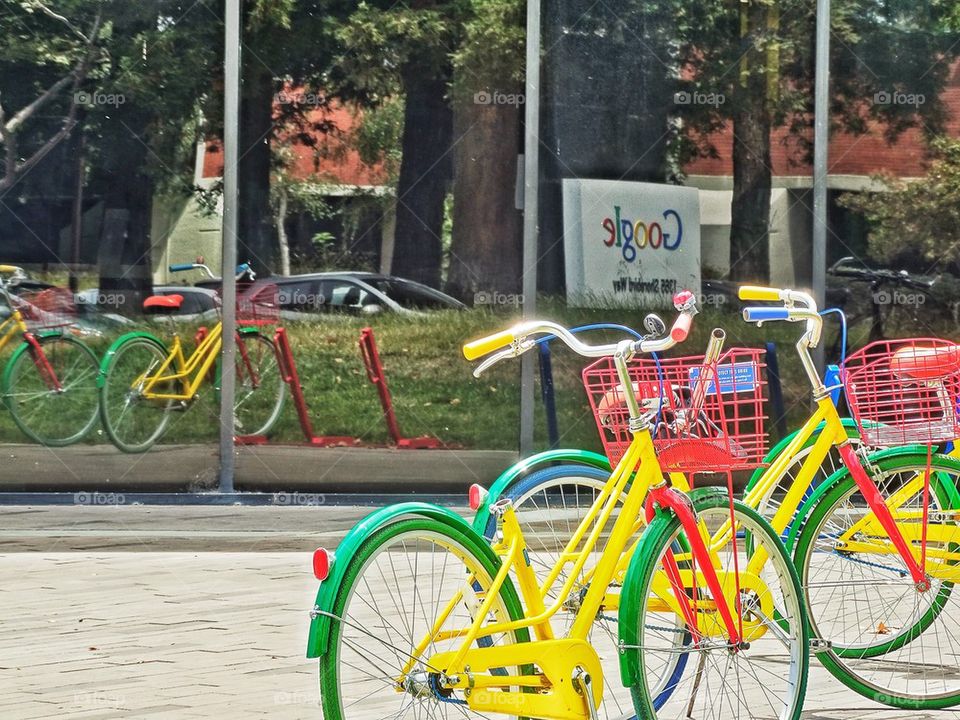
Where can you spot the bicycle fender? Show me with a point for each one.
(320, 625)
(630, 595)
(112, 350)
(887, 460)
(525, 467)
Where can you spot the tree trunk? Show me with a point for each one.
(486, 252)
(126, 277)
(256, 241)
(750, 209)
(282, 239)
(752, 172)
(425, 172)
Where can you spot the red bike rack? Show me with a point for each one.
(371, 359)
(288, 368)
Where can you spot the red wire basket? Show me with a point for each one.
(258, 305)
(904, 391)
(50, 308)
(695, 428)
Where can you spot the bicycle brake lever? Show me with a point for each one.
(510, 352)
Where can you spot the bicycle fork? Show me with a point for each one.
(879, 507)
(678, 503)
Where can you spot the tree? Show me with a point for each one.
(880, 49)
(71, 54)
(416, 41)
(486, 248)
(916, 224)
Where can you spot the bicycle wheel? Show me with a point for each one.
(132, 422)
(891, 641)
(550, 504)
(763, 678)
(397, 586)
(260, 388)
(55, 409)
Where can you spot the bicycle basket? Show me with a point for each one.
(258, 305)
(50, 308)
(695, 428)
(904, 391)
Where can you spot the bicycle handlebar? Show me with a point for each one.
(182, 267)
(516, 339)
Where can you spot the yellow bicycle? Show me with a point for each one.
(50, 380)
(876, 543)
(142, 382)
(417, 616)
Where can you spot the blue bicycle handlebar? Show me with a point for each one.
(761, 314)
(180, 267)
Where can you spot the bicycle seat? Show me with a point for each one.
(159, 304)
(926, 363)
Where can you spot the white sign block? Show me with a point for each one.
(630, 244)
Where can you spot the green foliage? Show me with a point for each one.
(491, 53)
(916, 220)
(376, 137)
(877, 47)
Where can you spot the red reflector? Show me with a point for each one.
(322, 561)
(477, 495)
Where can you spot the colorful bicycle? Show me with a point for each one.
(882, 531)
(417, 615)
(50, 381)
(142, 383)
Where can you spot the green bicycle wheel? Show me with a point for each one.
(890, 640)
(52, 392)
(397, 585)
(766, 676)
(133, 422)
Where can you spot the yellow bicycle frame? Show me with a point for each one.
(12, 327)
(178, 370)
(557, 658)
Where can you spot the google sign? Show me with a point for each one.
(630, 235)
(629, 244)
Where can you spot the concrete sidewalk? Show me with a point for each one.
(259, 468)
(171, 636)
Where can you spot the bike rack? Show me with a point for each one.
(371, 359)
(374, 367)
(288, 367)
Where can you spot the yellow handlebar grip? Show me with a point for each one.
(8, 268)
(479, 348)
(754, 292)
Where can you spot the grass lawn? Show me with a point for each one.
(433, 390)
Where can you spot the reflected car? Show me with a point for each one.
(305, 297)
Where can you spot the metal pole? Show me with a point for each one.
(531, 187)
(821, 139)
(228, 292)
